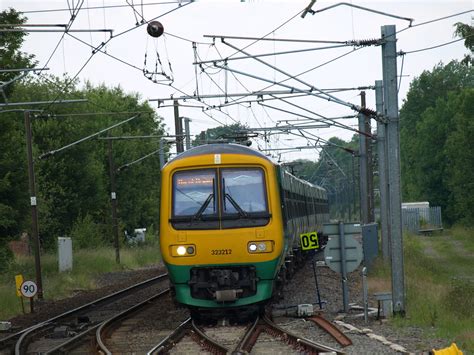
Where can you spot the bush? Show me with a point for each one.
(6, 256)
(456, 300)
(86, 234)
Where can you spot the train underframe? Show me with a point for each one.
(234, 291)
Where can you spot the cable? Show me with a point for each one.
(187, 40)
(106, 53)
(147, 22)
(102, 7)
(103, 44)
(435, 20)
(68, 26)
(401, 74)
(305, 72)
(437, 46)
(69, 82)
(139, 69)
(269, 33)
(241, 84)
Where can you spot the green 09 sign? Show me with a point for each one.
(309, 241)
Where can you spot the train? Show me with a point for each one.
(230, 225)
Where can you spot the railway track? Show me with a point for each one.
(113, 335)
(72, 331)
(260, 337)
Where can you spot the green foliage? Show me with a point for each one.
(75, 183)
(89, 264)
(86, 234)
(334, 171)
(10, 55)
(460, 175)
(6, 256)
(231, 132)
(13, 183)
(435, 123)
(456, 300)
(439, 285)
(467, 32)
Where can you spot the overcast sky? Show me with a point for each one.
(274, 19)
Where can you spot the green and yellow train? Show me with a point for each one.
(230, 224)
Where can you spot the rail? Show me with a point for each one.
(19, 341)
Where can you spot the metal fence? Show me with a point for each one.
(417, 220)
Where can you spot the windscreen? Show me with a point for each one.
(243, 191)
(194, 193)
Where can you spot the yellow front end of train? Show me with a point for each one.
(221, 229)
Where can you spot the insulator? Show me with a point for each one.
(365, 42)
(368, 111)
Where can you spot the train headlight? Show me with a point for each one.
(182, 250)
(265, 246)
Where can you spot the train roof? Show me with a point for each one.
(305, 182)
(231, 148)
(221, 148)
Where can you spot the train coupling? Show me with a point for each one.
(227, 295)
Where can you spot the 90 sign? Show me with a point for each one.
(28, 289)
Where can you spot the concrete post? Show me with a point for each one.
(382, 168)
(389, 67)
(363, 182)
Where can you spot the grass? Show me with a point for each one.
(439, 285)
(88, 264)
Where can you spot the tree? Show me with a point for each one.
(433, 124)
(13, 182)
(460, 158)
(73, 185)
(235, 132)
(467, 32)
(10, 55)
(425, 91)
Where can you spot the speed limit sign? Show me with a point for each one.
(28, 289)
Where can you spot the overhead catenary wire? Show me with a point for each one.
(434, 20)
(68, 26)
(356, 49)
(140, 69)
(319, 95)
(433, 47)
(241, 84)
(307, 71)
(102, 7)
(272, 31)
(401, 74)
(99, 49)
(272, 54)
(52, 152)
(95, 113)
(213, 107)
(313, 12)
(103, 44)
(322, 120)
(120, 168)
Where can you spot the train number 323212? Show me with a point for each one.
(221, 251)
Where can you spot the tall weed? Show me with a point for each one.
(86, 233)
(88, 264)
